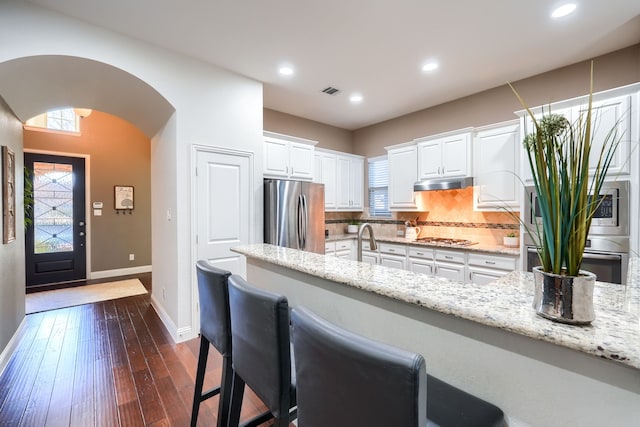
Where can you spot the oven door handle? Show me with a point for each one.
(602, 257)
(587, 255)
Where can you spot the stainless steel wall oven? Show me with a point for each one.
(607, 251)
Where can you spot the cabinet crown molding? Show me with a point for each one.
(289, 138)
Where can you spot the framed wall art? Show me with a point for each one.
(123, 197)
(8, 195)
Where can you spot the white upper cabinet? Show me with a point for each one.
(343, 177)
(403, 173)
(607, 115)
(610, 110)
(349, 182)
(496, 156)
(325, 173)
(288, 157)
(445, 155)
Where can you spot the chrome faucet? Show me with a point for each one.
(373, 245)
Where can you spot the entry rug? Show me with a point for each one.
(87, 294)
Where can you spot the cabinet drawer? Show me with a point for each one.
(342, 245)
(420, 252)
(388, 248)
(329, 247)
(493, 262)
(450, 256)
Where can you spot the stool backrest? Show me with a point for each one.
(344, 379)
(213, 294)
(261, 347)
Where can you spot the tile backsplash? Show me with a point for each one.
(448, 213)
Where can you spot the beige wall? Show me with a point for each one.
(498, 104)
(12, 281)
(329, 137)
(119, 155)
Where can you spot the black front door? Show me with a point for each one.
(55, 239)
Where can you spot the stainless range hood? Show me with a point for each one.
(443, 184)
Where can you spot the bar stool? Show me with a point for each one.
(215, 329)
(261, 353)
(344, 379)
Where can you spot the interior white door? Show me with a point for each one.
(224, 208)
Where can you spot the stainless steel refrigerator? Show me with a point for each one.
(294, 214)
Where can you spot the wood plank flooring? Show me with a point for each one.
(106, 364)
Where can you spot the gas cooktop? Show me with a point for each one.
(445, 241)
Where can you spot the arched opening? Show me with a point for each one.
(125, 108)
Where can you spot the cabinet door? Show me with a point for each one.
(450, 271)
(276, 158)
(393, 261)
(483, 277)
(370, 257)
(421, 266)
(356, 183)
(496, 156)
(328, 167)
(403, 173)
(455, 155)
(317, 169)
(343, 178)
(607, 115)
(429, 159)
(300, 161)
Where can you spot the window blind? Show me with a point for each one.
(379, 186)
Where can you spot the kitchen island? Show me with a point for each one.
(484, 339)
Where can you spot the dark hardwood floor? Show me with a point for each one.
(106, 364)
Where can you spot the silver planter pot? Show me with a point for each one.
(565, 299)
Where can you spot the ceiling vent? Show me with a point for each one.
(331, 90)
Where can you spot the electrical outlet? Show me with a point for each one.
(399, 233)
(132, 257)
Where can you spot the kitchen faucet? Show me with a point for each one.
(373, 245)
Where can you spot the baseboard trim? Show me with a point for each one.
(6, 354)
(119, 272)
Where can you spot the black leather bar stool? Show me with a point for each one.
(215, 329)
(344, 379)
(261, 353)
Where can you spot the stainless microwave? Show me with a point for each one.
(611, 218)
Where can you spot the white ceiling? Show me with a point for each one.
(374, 47)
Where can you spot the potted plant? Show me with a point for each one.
(558, 153)
(352, 226)
(510, 240)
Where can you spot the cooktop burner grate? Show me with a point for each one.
(445, 241)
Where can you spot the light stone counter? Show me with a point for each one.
(614, 335)
(479, 247)
(484, 339)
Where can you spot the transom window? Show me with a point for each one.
(64, 120)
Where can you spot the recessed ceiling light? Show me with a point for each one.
(286, 70)
(563, 10)
(356, 98)
(430, 66)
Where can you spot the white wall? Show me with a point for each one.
(11, 254)
(212, 107)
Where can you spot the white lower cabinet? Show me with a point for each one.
(344, 249)
(421, 260)
(394, 256)
(450, 264)
(485, 268)
(370, 257)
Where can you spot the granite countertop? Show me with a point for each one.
(613, 335)
(479, 247)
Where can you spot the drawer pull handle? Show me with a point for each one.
(392, 250)
(419, 253)
(490, 262)
(448, 257)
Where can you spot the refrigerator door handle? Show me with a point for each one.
(299, 222)
(305, 221)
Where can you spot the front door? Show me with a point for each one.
(55, 238)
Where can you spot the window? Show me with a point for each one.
(379, 186)
(65, 120)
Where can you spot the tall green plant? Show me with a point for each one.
(558, 152)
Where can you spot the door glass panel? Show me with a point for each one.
(52, 207)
